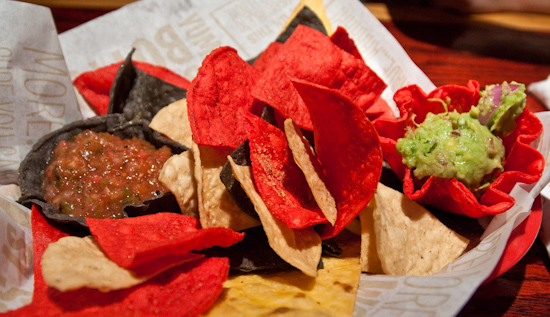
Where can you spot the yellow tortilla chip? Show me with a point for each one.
(291, 293)
(354, 226)
(316, 6)
(173, 122)
(409, 239)
(300, 248)
(73, 262)
(216, 206)
(370, 262)
(177, 175)
(305, 159)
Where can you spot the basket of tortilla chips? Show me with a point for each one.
(299, 142)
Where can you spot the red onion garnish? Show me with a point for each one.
(494, 96)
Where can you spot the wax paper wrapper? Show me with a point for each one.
(36, 95)
(179, 34)
(541, 90)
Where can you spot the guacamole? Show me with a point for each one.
(452, 144)
(499, 106)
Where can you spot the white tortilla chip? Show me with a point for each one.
(73, 262)
(301, 248)
(409, 239)
(370, 262)
(173, 122)
(216, 206)
(177, 175)
(306, 160)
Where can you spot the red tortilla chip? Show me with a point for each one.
(341, 38)
(161, 264)
(348, 148)
(132, 241)
(163, 73)
(279, 180)
(379, 110)
(95, 85)
(265, 58)
(310, 55)
(186, 290)
(412, 99)
(522, 164)
(219, 97)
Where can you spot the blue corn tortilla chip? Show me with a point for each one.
(138, 95)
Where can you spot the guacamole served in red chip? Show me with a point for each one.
(453, 144)
(522, 163)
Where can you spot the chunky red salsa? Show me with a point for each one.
(96, 174)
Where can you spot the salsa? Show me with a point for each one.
(96, 174)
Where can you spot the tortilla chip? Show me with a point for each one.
(130, 242)
(90, 267)
(310, 166)
(310, 55)
(138, 95)
(197, 284)
(241, 156)
(311, 13)
(380, 108)
(301, 248)
(219, 97)
(370, 261)
(95, 85)
(409, 239)
(263, 60)
(252, 253)
(341, 38)
(348, 148)
(178, 176)
(173, 122)
(216, 206)
(290, 293)
(354, 226)
(278, 178)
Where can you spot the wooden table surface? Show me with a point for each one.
(451, 49)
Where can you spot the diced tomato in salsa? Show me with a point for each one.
(96, 174)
